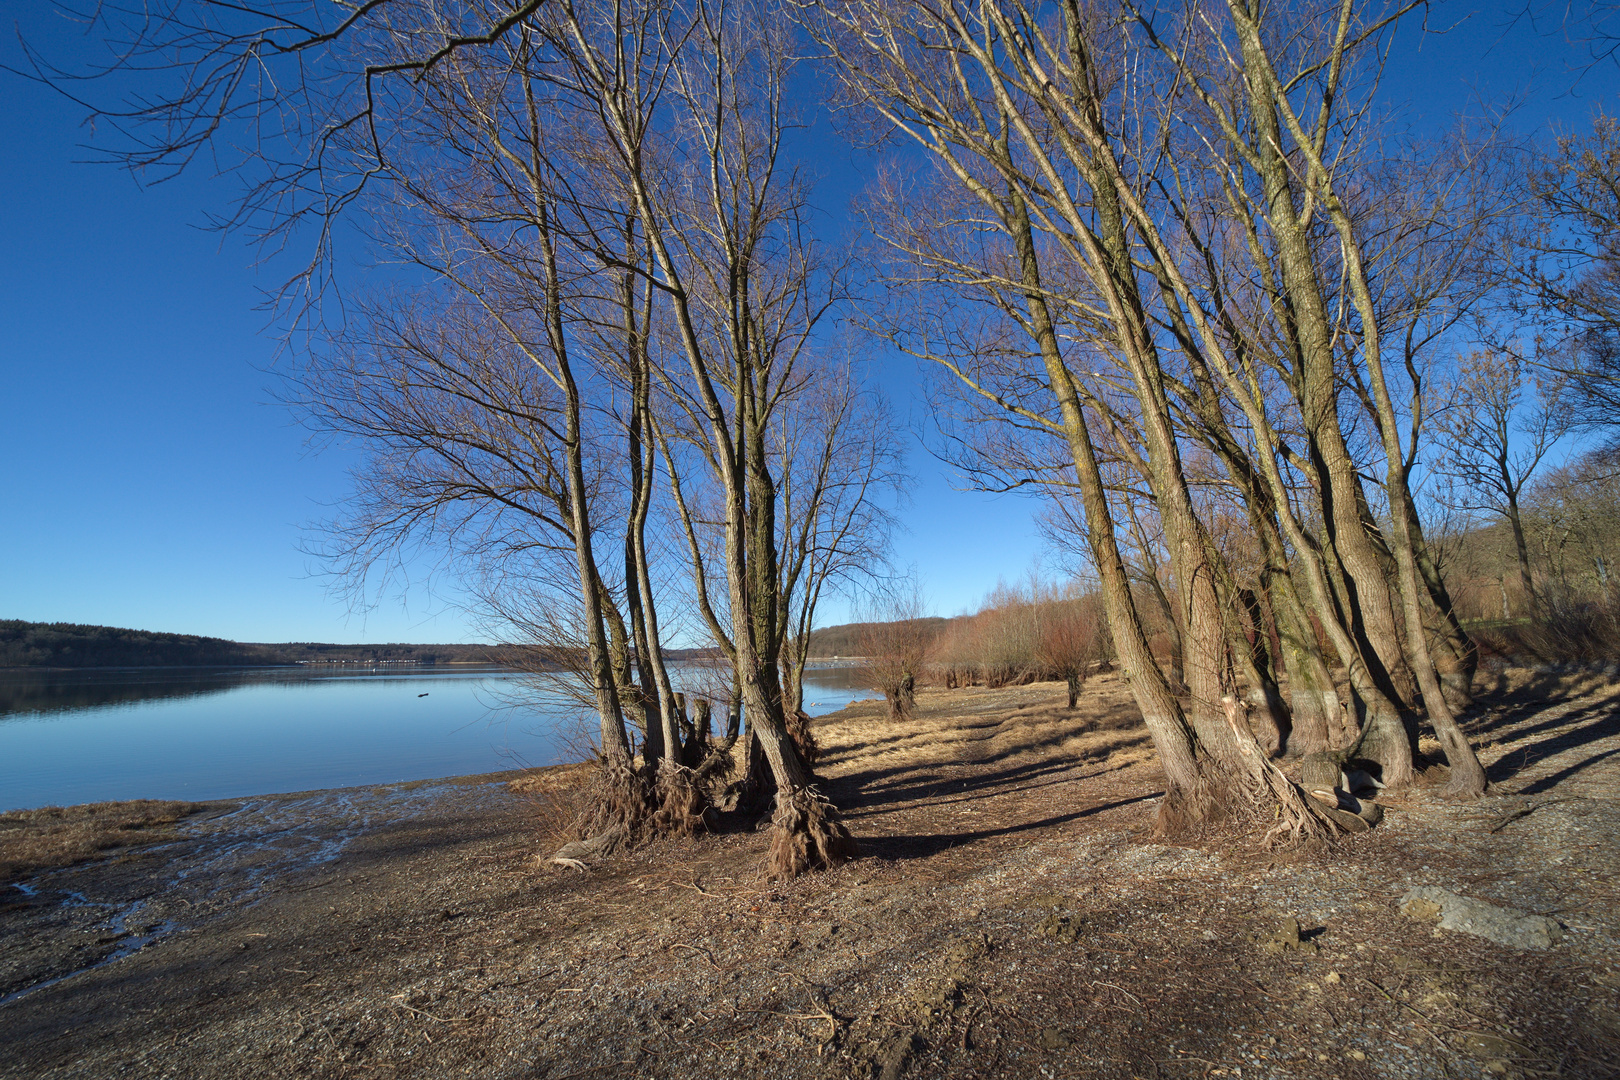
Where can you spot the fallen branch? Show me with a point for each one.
(1525, 811)
(398, 999)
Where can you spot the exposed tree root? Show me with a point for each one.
(807, 834)
(710, 773)
(804, 740)
(1184, 809)
(755, 792)
(615, 812)
(1297, 817)
(683, 808)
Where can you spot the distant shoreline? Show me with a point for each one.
(293, 665)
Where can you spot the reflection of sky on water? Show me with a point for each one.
(71, 737)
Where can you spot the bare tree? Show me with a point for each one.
(1071, 637)
(602, 191)
(1571, 280)
(1023, 113)
(1494, 440)
(839, 464)
(743, 289)
(896, 644)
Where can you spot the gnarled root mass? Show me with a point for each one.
(683, 807)
(616, 810)
(804, 740)
(1183, 808)
(1296, 814)
(807, 834)
(1254, 790)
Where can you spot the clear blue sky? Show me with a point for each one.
(148, 481)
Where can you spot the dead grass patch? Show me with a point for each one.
(554, 794)
(976, 724)
(53, 836)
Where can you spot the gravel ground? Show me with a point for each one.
(1012, 917)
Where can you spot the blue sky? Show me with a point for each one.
(147, 480)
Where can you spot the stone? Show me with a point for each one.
(1479, 1044)
(1465, 915)
(1281, 935)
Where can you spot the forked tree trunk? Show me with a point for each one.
(1364, 582)
(1253, 655)
(1188, 798)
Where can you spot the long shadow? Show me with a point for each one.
(971, 794)
(1548, 782)
(921, 846)
(871, 778)
(1515, 762)
(1544, 690)
(1562, 720)
(863, 793)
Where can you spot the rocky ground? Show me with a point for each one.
(1012, 917)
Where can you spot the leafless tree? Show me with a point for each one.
(1030, 117)
(599, 199)
(895, 645)
(1570, 278)
(839, 462)
(1494, 440)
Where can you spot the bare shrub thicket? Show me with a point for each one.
(1547, 590)
(897, 641)
(1026, 633)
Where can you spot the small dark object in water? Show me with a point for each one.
(421, 695)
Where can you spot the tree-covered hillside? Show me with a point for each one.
(848, 639)
(71, 645)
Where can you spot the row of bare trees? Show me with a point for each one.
(1199, 288)
(1172, 270)
(1026, 632)
(1206, 299)
(594, 371)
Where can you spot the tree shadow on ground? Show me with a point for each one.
(922, 845)
(1568, 731)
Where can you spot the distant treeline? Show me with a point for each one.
(850, 638)
(70, 645)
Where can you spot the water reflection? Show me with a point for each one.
(25, 692)
(211, 733)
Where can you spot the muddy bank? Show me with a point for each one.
(1011, 917)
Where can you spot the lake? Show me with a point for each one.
(173, 733)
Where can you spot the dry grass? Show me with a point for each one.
(977, 724)
(554, 794)
(61, 836)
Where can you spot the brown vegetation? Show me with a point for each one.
(52, 836)
(1012, 916)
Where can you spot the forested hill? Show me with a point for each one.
(70, 645)
(847, 639)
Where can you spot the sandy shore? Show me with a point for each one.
(1011, 917)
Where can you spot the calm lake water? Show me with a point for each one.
(168, 733)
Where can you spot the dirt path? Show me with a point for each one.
(1011, 918)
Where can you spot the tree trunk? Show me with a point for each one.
(1254, 664)
(1458, 675)
(1521, 551)
(1188, 798)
